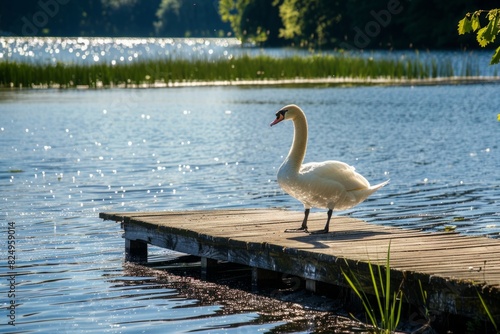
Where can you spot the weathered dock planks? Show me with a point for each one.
(451, 267)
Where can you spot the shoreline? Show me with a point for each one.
(334, 81)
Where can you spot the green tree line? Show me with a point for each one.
(112, 18)
(315, 24)
(352, 24)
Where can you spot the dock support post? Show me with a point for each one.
(262, 276)
(136, 251)
(207, 266)
(311, 285)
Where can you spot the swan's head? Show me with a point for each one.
(288, 112)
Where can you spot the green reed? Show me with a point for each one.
(488, 313)
(383, 316)
(240, 68)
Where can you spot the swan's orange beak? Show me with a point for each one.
(279, 118)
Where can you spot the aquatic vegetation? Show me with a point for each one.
(384, 318)
(488, 313)
(164, 72)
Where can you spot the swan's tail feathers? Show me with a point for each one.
(380, 185)
(358, 196)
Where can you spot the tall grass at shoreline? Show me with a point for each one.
(243, 68)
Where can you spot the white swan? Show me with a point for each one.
(331, 185)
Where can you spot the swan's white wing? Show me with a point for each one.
(339, 172)
(330, 184)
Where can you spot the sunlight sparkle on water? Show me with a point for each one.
(110, 50)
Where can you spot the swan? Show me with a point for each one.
(331, 185)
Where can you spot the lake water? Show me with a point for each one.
(67, 155)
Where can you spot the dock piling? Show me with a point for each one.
(136, 251)
(207, 267)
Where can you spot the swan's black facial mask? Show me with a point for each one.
(280, 115)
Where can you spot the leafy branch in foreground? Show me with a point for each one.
(484, 34)
(388, 303)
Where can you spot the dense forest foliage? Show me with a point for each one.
(113, 18)
(352, 24)
(349, 24)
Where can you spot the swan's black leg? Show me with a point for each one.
(327, 226)
(303, 227)
(304, 221)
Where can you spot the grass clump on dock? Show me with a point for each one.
(153, 73)
(385, 316)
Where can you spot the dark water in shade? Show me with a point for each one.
(68, 155)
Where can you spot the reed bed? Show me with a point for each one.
(244, 68)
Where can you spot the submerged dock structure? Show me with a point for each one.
(451, 268)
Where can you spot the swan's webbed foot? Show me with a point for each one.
(303, 227)
(297, 230)
(327, 226)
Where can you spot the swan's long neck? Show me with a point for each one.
(299, 145)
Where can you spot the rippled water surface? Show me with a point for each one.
(68, 155)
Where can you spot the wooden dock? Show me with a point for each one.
(451, 267)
